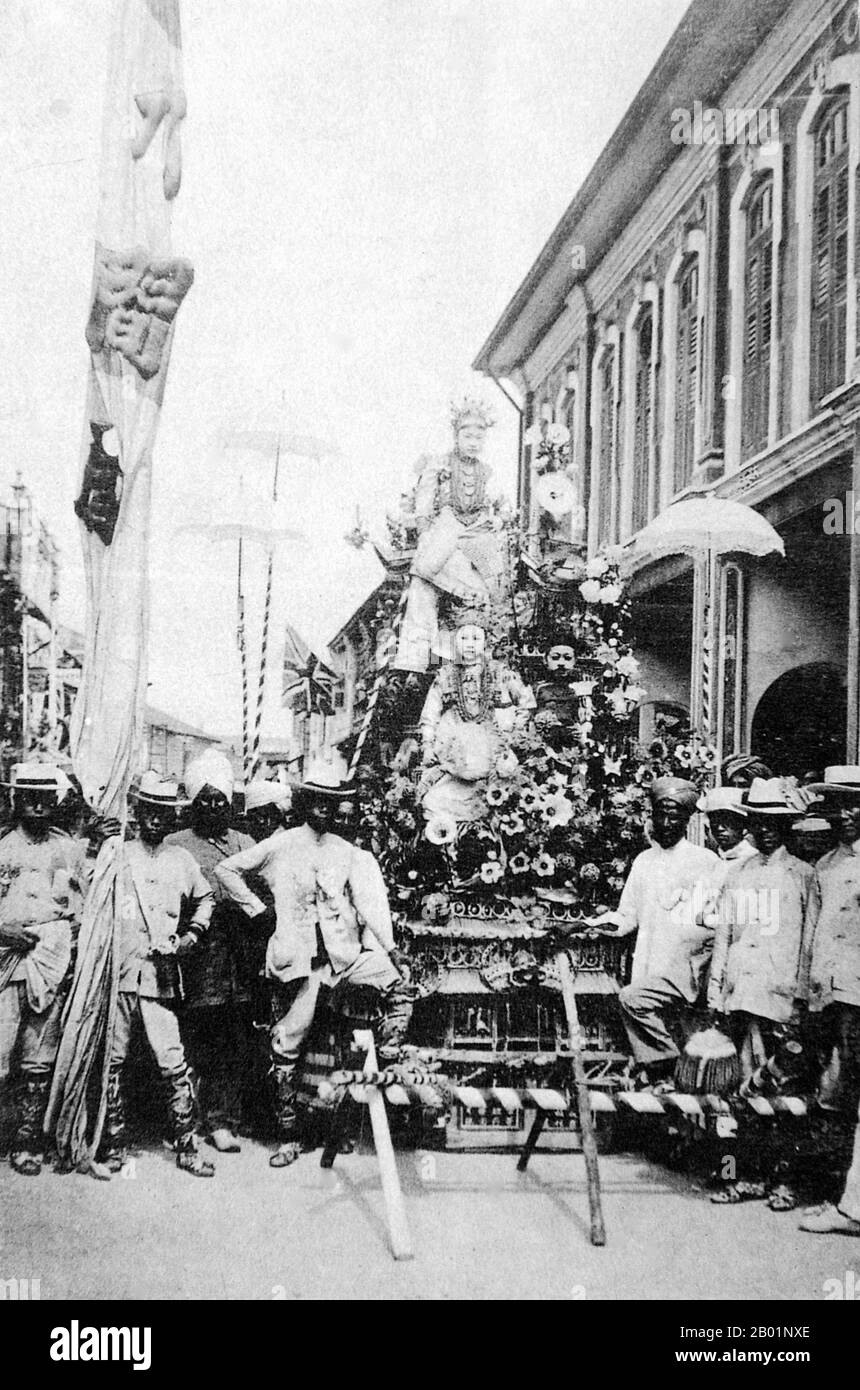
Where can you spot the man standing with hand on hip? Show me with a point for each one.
(323, 889)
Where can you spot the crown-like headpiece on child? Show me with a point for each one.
(471, 409)
(472, 616)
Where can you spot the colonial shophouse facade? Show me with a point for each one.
(693, 320)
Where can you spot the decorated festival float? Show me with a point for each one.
(504, 785)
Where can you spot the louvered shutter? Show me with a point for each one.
(686, 374)
(830, 254)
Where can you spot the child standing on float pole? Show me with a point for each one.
(759, 964)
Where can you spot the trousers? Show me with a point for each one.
(643, 1009)
(372, 968)
(161, 1026)
(220, 1041)
(850, 1201)
(36, 1034)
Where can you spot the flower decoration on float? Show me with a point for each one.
(441, 829)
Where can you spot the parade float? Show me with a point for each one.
(504, 785)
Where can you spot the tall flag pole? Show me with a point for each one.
(138, 286)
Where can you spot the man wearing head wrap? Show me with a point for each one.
(667, 890)
(740, 769)
(218, 981)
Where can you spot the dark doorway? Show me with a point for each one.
(799, 724)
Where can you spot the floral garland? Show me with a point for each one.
(567, 802)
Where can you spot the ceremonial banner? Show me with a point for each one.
(138, 286)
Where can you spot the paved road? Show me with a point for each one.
(480, 1231)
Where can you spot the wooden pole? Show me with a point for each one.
(583, 1100)
(398, 1228)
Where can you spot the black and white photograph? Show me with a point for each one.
(430, 663)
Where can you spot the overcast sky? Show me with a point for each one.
(366, 182)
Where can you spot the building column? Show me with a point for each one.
(852, 732)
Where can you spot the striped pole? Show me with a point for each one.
(253, 760)
(264, 648)
(381, 674)
(243, 657)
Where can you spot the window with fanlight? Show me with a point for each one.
(829, 251)
(643, 412)
(758, 311)
(687, 371)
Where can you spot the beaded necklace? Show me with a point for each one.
(467, 491)
(484, 698)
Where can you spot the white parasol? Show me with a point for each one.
(705, 528)
(708, 525)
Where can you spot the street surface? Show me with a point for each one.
(480, 1231)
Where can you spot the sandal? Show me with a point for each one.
(739, 1192)
(285, 1155)
(782, 1198)
(27, 1164)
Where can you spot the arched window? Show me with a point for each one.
(829, 251)
(608, 444)
(758, 305)
(686, 372)
(643, 410)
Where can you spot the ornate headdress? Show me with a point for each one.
(471, 409)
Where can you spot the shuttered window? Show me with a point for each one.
(830, 252)
(606, 469)
(687, 372)
(758, 305)
(643, 410)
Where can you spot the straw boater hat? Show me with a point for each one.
(723, 799)
(154, 790)
(327, 777)
(769, 796)
(262, 792)
(840, 781)
(40, 777)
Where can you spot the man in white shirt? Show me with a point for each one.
(834, 981)
(323, 890)
(667, 891)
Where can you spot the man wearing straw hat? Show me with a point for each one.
(834, 971)
(219, 978)
(666, 891)
(131, 970)
(727, 823)
(40, 869)
(322, 889)
(267, 804)
(759, 964)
